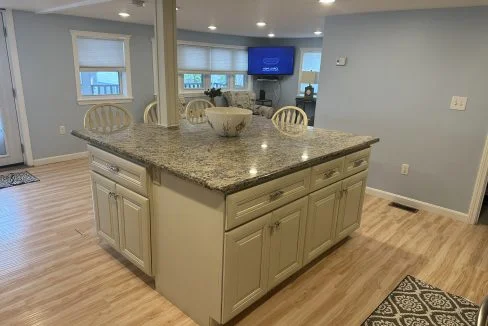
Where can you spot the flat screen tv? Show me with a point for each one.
(271, 60)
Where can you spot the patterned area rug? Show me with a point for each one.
(415, 303)
(16, 178)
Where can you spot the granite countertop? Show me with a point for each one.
(196, 153)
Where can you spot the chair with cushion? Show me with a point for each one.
(107, 118)
(247, 100)
(195, 111)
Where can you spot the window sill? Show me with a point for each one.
(117, 100)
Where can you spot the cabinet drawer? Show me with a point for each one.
(327, 173)
(356, 162)
(126, 173)
(248, 204)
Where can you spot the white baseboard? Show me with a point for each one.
(60, 158)
(463, 217)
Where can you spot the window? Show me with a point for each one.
(102, 67)
(202, 66)
(309, 61)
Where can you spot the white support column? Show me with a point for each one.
(165, 38)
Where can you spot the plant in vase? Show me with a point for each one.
(213, 93)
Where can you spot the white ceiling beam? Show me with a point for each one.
(72, 6)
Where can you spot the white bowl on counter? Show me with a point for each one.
(228, 121)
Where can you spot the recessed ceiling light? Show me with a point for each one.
(327, 2)
(317, 33)
(271, 35)
(124, 14)
(212, 27)
(261, 24)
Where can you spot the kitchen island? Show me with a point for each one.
(217, 221)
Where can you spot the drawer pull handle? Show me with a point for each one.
(275, 195)
(114, 168)
(330, 174)
(359, 163)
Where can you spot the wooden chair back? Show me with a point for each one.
(106, 118)
(290, 115)
(195, 111)
(151, 113)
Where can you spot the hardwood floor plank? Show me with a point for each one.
(53, 270)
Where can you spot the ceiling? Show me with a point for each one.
(284, 18)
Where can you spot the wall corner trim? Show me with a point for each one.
(479, 187)
(459, 216)
(60, 158)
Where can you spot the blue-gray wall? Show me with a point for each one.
(402, 70)
(46, 64)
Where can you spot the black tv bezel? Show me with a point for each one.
(272, 47)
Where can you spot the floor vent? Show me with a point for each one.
(404, 207)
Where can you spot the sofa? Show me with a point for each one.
(247, 100)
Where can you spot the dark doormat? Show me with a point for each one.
(16, 178)
(414, 302)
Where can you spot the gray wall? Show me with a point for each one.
(403, 68)
(46, 64)
(289, 84)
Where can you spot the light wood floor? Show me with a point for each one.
(53, 271)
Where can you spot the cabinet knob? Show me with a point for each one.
(275, 195)
(277, 225)
(114, 168)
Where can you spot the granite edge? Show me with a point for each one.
(236, 187)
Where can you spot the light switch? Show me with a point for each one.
(459, 103)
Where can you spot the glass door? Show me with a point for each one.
(10, 144)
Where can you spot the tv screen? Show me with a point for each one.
(271, 60)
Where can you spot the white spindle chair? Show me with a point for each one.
(195, 111)
(290, 115)
(106, 118)
(151, 113)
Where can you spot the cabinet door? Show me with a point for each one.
(245, 265)
(105, 208)
(351, 206)
(134, 228)
(286, 241)
(323, 208)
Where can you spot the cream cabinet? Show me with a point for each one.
(123, 220)
(351, 205)
(105, 208)
(287, 229)
(261, 254)
(134, 228)
(323, 209)
(245, 265)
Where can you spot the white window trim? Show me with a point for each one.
(206, 77)
(302, 52)
(85, 100)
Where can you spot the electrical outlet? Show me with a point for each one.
(459, 103)
(62, 130)
(404, 169)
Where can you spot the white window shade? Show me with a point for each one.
(221, 59)
(193, 58)
(240, 61)
(208, 59)
(100, 53)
